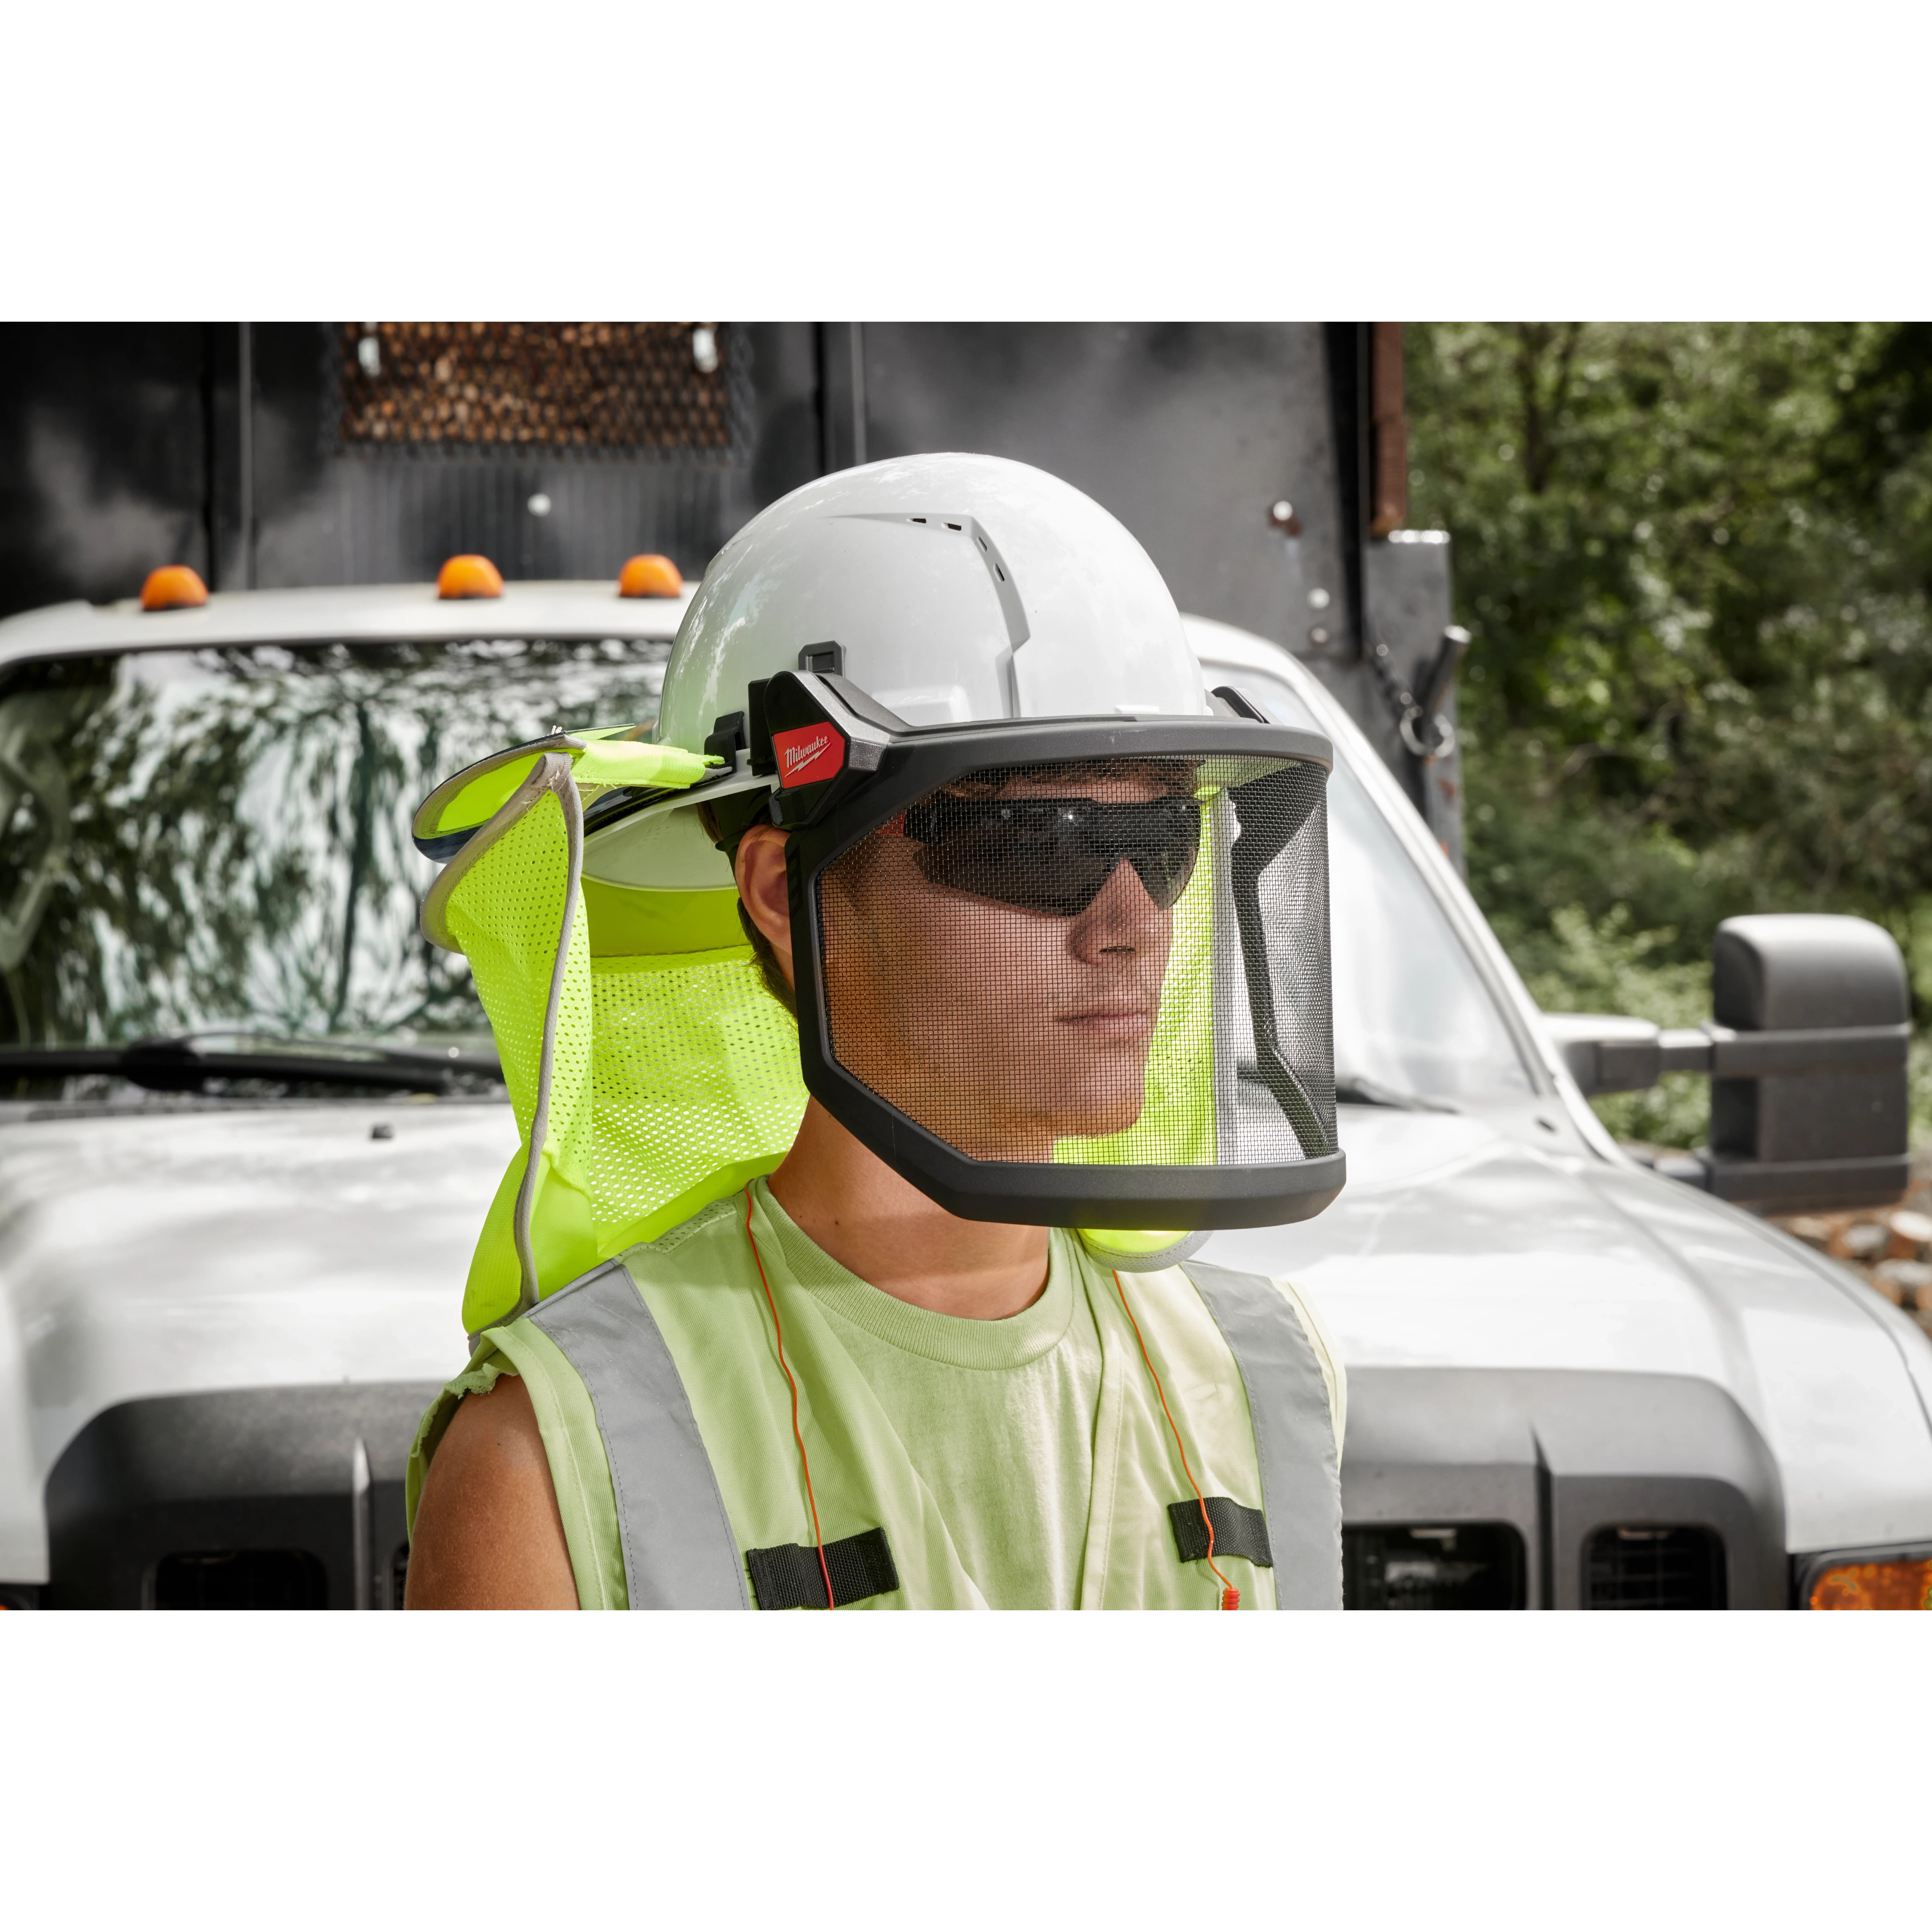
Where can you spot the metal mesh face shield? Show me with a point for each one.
(1068, 972)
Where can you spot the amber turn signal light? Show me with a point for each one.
(470, 577)
(649, 575)
(172, 587)
(1906, 1584)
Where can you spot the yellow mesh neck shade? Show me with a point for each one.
(671, 1076)
(645, 1062)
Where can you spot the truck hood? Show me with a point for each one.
(166, 1253)
(1455, 1245)
(161, 1254)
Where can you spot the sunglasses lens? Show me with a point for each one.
(1054, 855)
(1166, 870)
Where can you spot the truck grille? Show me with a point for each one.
(1676, 1568)
(240, 1579)
(1464, 1566)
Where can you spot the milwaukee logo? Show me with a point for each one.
(810, 753)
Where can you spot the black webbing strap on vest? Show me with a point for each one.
(1238, 1531)
(788, 1577)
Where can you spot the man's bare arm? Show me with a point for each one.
(488, 1534)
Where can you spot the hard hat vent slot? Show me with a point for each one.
(1018, 629)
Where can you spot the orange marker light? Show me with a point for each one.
(173, 587)
(1906, 1586)
(649, 575)
(470, 577)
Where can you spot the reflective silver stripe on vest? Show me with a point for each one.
(678, 1551)
(1295, 1432)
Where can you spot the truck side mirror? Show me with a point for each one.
(1806, 1048)
(1817, 1117)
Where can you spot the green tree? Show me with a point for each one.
(1697, 562)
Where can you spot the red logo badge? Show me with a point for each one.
(811, 753)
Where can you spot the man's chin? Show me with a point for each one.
(1104, 1115)
(1104, 1094)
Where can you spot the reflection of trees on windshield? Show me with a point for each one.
(36, 821)
(196, 839)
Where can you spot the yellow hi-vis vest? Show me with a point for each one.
(667, 1421)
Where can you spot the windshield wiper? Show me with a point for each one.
(181, 1066)
(1357, 1089)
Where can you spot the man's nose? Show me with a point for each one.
(1121, 922)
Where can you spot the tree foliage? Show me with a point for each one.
(1697, 562)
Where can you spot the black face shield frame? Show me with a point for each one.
(849, 771)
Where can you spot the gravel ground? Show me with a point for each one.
(1891, 1248)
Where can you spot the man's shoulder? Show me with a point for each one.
(705, 1248)
(707, 1221)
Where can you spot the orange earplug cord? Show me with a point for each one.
(1231, 1597)
(805, 1462)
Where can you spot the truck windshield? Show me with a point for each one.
(195, 841)
(1413, 1015)
(192, 841)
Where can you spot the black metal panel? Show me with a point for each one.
(331, 514)
(125, 446)
(103, 432)
(156, 1499)
(1189, 432)
(840, 348)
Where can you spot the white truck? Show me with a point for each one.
(249, 1124)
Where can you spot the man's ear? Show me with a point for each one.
(760, 873)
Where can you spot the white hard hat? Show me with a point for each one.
(959, 588)
(1059, 922)
(956, 589)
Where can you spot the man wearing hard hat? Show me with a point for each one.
(849, 1267)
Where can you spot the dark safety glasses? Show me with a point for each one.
(1054, 855)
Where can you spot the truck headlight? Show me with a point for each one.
(1868, 1580)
